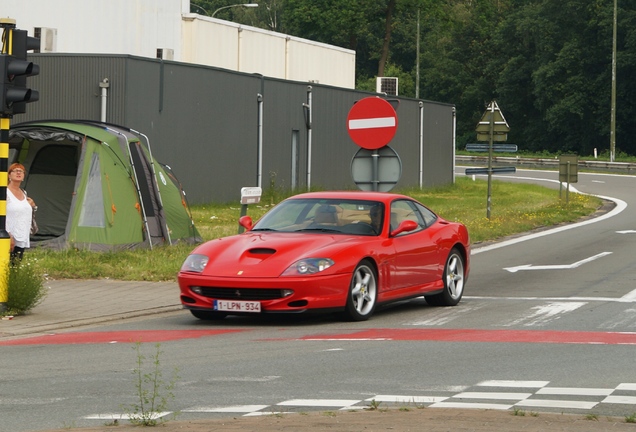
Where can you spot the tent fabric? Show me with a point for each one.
(98, 187)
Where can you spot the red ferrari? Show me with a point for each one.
(346, 252)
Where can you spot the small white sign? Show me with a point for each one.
(251, 195)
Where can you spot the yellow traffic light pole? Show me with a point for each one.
(7, 25)
(5, 240)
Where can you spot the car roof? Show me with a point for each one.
(357, 195)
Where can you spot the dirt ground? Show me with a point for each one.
(429, 420)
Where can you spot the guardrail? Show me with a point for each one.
(591, 165)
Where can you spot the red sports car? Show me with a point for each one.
(347, 252)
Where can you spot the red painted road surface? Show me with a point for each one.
(434, 335)
(474, 335)
(116, 337)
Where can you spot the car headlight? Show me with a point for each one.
(308, 266)
(195, 263)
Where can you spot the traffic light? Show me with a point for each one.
(15, 68)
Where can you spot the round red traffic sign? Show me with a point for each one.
(372, 123)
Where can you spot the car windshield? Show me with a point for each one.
(355, 217)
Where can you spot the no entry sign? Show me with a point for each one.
(372, 123)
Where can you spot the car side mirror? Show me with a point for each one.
(405, 226)
(246, 222)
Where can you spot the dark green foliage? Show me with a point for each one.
(547, 63)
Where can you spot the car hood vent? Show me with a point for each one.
(262, 251)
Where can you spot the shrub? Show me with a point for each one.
(25, 287)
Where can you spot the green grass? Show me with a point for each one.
(515, 208)
(619, 156)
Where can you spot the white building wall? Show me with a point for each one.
(136, 27)
(140, 27)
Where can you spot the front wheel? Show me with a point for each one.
(454, 276)
(363, 292)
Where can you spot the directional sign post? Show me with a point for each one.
(492, 127)
(568, 173)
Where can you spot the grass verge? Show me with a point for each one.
(515, 208)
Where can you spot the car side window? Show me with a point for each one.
(428, 217)
(402, 210)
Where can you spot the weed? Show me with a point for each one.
(25, 286)
(518, 412)
(153, 392)
(374, 405)
(591, 417)
(630, 418)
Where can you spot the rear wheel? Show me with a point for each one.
(454, 276)
(363, 292)
(208, 315)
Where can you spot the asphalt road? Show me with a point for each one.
(547, 324)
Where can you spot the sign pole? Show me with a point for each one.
(490, 150)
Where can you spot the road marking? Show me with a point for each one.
(477, 335)
(620, 206)
(492, 395)
(576, 391)
(320, 402)
(470, 405)
(446, 400)
(557, 267)
(228, 409)
(513, 383)
(544, 314)
(407, 399)
(626, 232)
(630, 297)
(549, 403)
(114, 416)
(627, 400)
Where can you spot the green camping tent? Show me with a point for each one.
(98, 187)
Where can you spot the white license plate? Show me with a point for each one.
(237, 306)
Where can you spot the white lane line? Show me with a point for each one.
(114, 416)
(626, 386)
(228, 409)
(513, 383)
(492, 395)
(469, 405)
(574, 391)
(627, 400)
(620, 206)
(558, 266)
(407, 399)
(629, 298)
(267, 413)
(545, 403)
(320, 402)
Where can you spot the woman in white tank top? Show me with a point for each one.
(19, 212)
